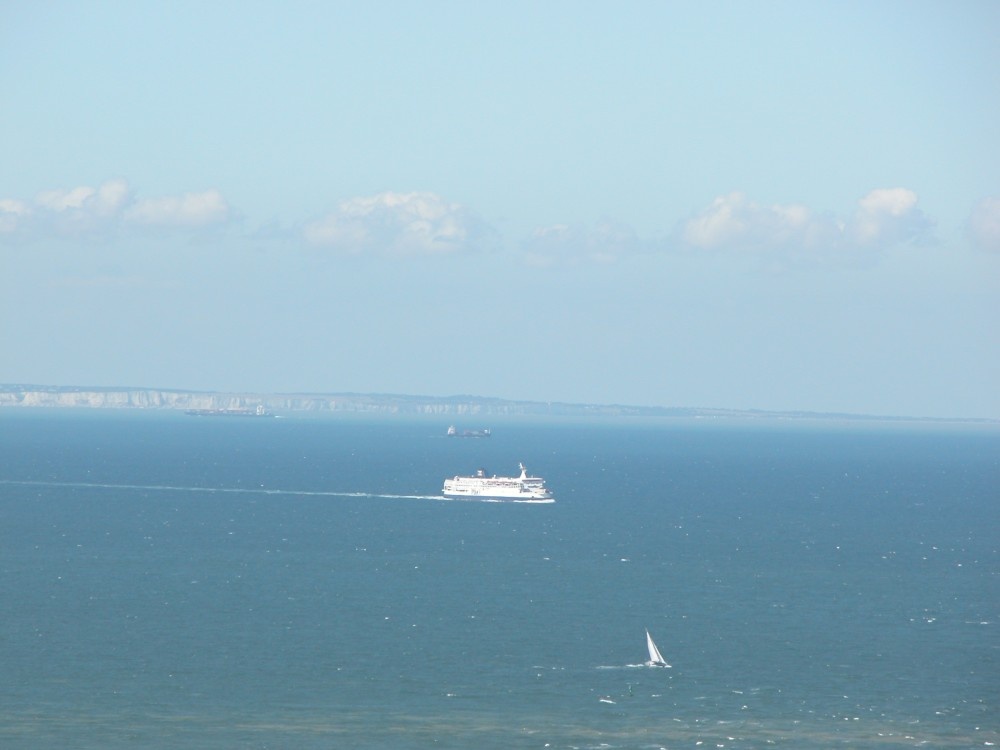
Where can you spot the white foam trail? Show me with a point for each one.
(220, 490)
(263, 491)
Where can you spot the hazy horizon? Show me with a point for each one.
(774, 206)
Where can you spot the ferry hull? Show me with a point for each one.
(486, 497)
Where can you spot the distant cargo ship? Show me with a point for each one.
(452, 432)
(260, 411)
(523, 488)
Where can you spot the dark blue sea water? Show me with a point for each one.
(169, 581)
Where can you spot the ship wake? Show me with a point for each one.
(244, 491)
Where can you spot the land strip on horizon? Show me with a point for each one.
(30, 396)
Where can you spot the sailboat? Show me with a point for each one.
(655, 657)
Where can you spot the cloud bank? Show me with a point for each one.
(424, 224)
(87, 210)
(399, 224)
(884, 218)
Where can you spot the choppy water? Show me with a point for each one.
(167, 581)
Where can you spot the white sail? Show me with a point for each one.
(655, 658)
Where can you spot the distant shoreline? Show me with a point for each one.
(28, 396)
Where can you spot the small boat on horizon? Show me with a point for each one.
(235, 411)
(484, 433)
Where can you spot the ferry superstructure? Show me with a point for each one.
(523, 488)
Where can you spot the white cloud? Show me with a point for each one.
(884, 218)
(187, 210)
(87, 210)
(64, 200)
(103, 201)
(81, 209)
(13, 214)
(888, 217)
(984, 224)
(399, 224)
(733, 219)
(111, 197)
(562, 244)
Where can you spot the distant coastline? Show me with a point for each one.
(48, 396)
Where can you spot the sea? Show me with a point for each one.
(172, 581)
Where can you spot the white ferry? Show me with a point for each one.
(523, 489)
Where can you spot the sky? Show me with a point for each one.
(745, 205)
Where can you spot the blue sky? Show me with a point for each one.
(774, 205)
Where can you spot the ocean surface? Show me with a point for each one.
(170, 581)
